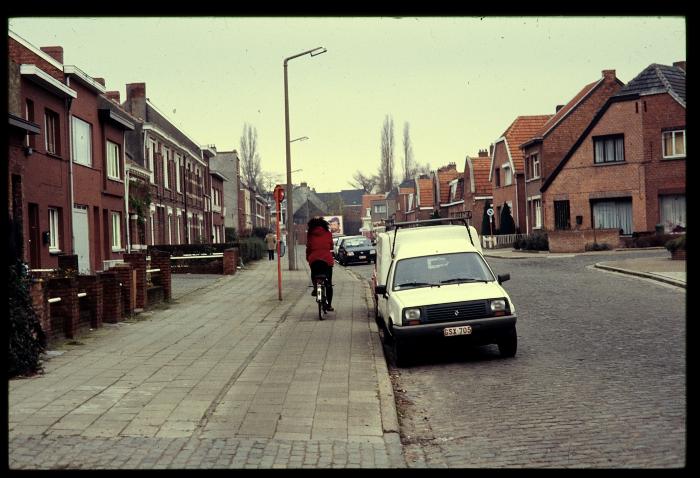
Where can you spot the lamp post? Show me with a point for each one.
(291, 239)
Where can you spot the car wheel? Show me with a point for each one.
(508, 344)
(400, 351)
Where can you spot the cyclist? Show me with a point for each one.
(319, 244)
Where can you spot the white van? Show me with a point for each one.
(431, 280)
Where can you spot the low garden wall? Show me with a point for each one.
(577, 240)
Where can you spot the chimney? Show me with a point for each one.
(55, 52)
(100, 81)
(303, 185)
(135, 91)
(483, 153)
(558, 108)
(113, 95)
(679, 64)
(609, 75)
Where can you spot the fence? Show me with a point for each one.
(500, 241)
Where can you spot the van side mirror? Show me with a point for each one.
(503, 277)
(380, 290)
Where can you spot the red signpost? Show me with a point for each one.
(278, 194)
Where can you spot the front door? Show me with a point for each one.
(34, 237)
(81, 231)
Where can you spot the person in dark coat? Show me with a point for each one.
(319, 244)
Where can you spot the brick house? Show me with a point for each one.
(74, 185)
(218, 207)
(39, 153)
(227, 163)
(549, 145)
(478, 191)
(627, 170)
(506, 172)
(405, 197)
(421, 203)
(448, 190)
(179, 178)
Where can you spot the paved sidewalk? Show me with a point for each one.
(660, 267)
(226, 376)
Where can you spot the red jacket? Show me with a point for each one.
(319, 244)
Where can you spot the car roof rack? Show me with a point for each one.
(460, 217)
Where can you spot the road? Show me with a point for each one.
(598, 380)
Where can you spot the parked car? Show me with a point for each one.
(433, 283)
(356, 249)
(336, 243)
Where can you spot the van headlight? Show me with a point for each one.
(411, 314)
(350, 253)
(499, 306)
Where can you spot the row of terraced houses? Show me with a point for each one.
(609, 162)
(93, 176)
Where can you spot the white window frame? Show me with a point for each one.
(113, 161)
(177, 173)
(673, 144)
(151, 156)
(536, 205)
(116, 231)
(81, 141)
(166, 173)
(535, 166)
(507, 175)
(51, 131)
(170, 227)
(54, 230)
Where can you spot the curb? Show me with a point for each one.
(647, 275)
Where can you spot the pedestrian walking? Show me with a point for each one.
(271, 241)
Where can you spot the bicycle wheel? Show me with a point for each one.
(320, 302)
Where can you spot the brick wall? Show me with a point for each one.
(161, 260)
(111, 297)
(576, 241)
(92, 302)
(65, 313)
(230, 261)
(37, 292)
(137, 260)
(125, 276)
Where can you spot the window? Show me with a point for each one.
(609, 149)
(166, 176)
(613, 214)
(672, 212)
(674, 144)
(29, 116)
(54, 237)
(507, 175)
(177, 173)
(51, 132)
(537, 213)
(562, 218)
(151, 155)
(380, 208)
(170, 228)
(113, 169)
(534, 166)
(497, 175)
(116, 231)
(82, 141)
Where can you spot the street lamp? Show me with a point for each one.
(291, 240)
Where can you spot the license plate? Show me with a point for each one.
(363, 257)
(450, 331)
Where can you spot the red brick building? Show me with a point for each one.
(627, 169)
(507, 167)
(549, 145)
(478, 191)
(448, 193)
(218, 209)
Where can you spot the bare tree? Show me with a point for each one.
(386, 168)
(360, 181)
(409, 169)
(268, 181)
(250, 163)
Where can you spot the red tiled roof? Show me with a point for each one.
(481, 167)
(445, 177)
(564, 110)
(426, 192)
(521, 130)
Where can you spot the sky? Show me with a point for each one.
(458, 82)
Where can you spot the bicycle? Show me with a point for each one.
(320, 283)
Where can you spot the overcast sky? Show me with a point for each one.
(458, 81)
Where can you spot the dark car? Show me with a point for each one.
(356, 249)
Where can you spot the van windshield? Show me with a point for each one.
(441, 269)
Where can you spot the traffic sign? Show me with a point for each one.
(489, 211)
